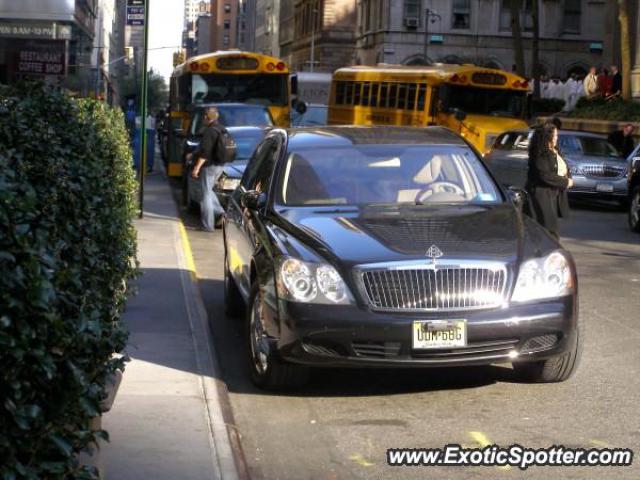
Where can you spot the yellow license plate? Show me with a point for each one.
(439, 334)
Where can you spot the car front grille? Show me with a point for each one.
(434, 288)
(603, 171)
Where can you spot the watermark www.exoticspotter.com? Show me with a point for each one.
(513, 456)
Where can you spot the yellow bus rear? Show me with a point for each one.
(479, 103)
(225, 77)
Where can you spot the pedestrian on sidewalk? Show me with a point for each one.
(616, 83)
(207, 169)
(548, 178)
(623, 140)
(591, 83)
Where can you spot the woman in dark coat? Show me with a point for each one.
(548, 178)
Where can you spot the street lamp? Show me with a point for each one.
(429, 15)
(313, 37)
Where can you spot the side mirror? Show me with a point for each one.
(301, 107)
(459, 115)
(253, 200)
(517, 196)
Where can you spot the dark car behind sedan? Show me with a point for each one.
(596, 167)
(391, 247)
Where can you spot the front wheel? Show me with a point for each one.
(268, 370)
(634, 210)
(556, 369)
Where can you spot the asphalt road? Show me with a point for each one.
(341, 425)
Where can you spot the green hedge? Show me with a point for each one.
(599, 109)
(67, 251)
(547, 105)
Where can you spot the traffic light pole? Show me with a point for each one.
(143, 109)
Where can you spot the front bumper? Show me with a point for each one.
(351, 336)
(600, 187)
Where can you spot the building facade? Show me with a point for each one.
(192, 10)
(224, 25)
(323, 35)
(574, 34)
(50, 40)
(267, 27)
(203, 34)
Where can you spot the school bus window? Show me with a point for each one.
(348, 98)
(366, 91)
(340, 91)
(383, 95)
(421, 96)
(393, 95)
(402, 96)
(411, 96)
(357, 93)
(374, 94)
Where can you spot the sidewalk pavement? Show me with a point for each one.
(170, 416)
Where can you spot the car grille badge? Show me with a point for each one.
(433, 253)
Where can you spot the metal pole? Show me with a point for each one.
(313, 39)
(143, 109)
(426, 34)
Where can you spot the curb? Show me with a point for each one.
(227, 454)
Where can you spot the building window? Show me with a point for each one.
(526, 20)
(412, 9)
(461, 14)
(227, 7)
(225, 41)
(571, 18)
(227, 24)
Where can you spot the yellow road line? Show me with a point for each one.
(599, 443)
(188, 253)
(360, 460)
(482, 440)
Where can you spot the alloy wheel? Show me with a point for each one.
(258, 339)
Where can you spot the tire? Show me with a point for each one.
(233, 302)
(268, 370)
(555, 369)
(634, 210)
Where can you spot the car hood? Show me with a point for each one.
(235, 169)
(372, 235)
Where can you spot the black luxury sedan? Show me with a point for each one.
(391, 247)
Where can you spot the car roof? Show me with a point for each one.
(371, 135)
(202, 106)
(562, 132)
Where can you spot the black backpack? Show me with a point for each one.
(225, 149)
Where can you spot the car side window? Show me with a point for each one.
(258, 172)
(569, 145)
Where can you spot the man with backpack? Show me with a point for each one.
(210, 159)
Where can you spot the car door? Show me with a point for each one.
(242, 223)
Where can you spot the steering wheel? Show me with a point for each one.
(439, 187)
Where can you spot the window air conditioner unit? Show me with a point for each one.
(411, 22)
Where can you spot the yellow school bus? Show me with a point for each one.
(229, 76)
(479, 103)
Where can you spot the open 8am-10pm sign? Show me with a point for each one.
(39, 58)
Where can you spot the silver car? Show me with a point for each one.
(597, 169)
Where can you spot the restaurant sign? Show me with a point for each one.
(40, 58)
(49, 30)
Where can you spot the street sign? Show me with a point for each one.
(135, 16)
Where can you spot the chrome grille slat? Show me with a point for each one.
(433, 288)
(603, 171)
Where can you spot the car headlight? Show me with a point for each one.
(305, 282)
(547, 277)
(230, 183)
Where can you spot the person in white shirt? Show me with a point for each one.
(591, 83)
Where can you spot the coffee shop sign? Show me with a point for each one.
(44, 63)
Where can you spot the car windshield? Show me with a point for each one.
(484, 101)
(261, 89)
(385, 174)
(513, 141)
(314, 116)
(591, 146)
(234, 117)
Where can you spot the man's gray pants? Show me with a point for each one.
(209, 205)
